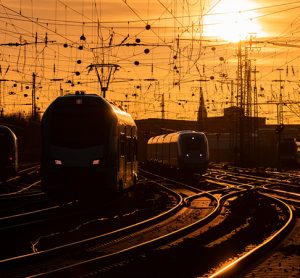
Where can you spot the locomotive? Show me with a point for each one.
(8, 152)
(89, 148)
(186, 151)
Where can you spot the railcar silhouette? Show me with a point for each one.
(185, 151)
(8, 152)
(89, 148)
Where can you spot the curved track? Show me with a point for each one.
(218, 208)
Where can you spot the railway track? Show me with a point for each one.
(204, 219)
(237, 181)
(177, 225)
(22, 193)
(285, 186)
(20, 184)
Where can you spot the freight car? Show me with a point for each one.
(8, 152)
(186, 151)
(89, 148)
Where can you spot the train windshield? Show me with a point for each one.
(79, 127)
(193, 143)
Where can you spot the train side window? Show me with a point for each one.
(122, 144)
(128, 139)
(130, 148)
(172, 150)
(135, 147)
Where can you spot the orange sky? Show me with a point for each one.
(153, 48)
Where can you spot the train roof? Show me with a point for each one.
(170, 137)
(93, 99)
(6, 129)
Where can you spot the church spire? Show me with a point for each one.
(202, 112)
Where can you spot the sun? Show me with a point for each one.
(233, 21)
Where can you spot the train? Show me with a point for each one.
(185, 151)
(289, 152)
(89, 148)
(8, 153)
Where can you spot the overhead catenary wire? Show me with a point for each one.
(189, 24)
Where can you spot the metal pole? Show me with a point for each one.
(33, 102)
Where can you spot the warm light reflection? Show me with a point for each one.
(233, 21)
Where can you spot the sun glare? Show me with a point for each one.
(233, 21)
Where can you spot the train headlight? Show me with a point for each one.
(57, 162)
(187, 155)
(96, 162)
(201, 154)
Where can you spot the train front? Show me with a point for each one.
(78, 147)
(193, 152)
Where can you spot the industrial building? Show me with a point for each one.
(233, 138)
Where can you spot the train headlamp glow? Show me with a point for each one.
(96, 162)
(201, 154)
(57, 162)
(78, 101)
(187, 155)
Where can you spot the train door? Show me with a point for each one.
(122, 160)
(135, 153)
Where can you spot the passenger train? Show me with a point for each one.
(186, 151)
(89, 148)
(8, 152)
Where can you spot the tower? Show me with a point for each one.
(202, 112)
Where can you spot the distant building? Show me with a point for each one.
(257, 144)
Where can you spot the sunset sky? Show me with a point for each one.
(151, 48)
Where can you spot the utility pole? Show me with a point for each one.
(280, 103)
(247, 85)
(240, 79)
(104, 81)
(239, 113)
(255, 106)
(33, 101)
(2, 94)
(255, 123)
(243, 133)
(232, 93)
(163, 106)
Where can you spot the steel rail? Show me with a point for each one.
(144, 246)
(135, 249)
(235, 266)
(94, 240)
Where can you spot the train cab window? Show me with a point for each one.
(193, 143)
(5, 143)
(78, 128)
(3, 140)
